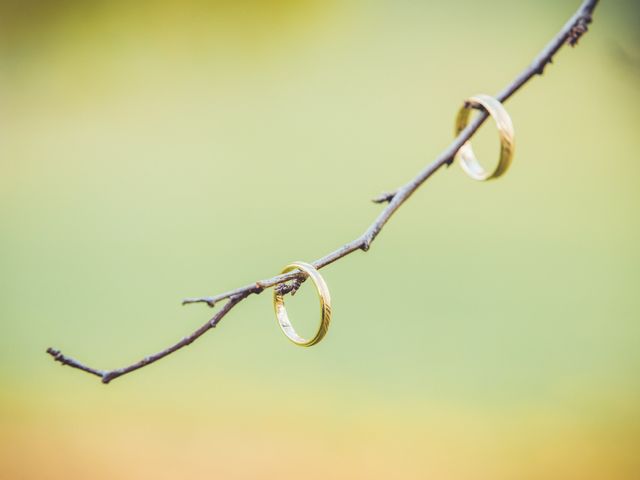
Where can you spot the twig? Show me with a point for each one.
(109, 375)
(570, 33)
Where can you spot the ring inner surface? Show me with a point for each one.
(283, 316)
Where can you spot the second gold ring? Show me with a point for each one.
(468, 160)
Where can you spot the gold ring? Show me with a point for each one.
(325, 306)
(468, 160)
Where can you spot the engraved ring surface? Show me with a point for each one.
(325, 306)
(468, 160)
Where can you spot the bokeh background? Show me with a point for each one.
(155, 150)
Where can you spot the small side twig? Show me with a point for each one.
(384, 197)
(570, 33)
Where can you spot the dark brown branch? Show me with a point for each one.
(570, 33)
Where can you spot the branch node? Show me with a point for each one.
(579, 29)
(290, 287)
(366, 243)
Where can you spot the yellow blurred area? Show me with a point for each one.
(151, 151)
(260, 436)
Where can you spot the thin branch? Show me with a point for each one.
(572, 31)
(108, 375)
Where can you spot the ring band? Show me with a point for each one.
(325, 306)
(468, 160)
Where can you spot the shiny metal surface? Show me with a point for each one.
(468, 160)
(325, 306)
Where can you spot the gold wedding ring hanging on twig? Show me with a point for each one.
(468, 160)
(325, 306)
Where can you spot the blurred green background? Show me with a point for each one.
(151, 151)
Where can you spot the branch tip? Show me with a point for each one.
(54, 353)
(292, 287)
(208, 300)
(384, 197)
(64, 360)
